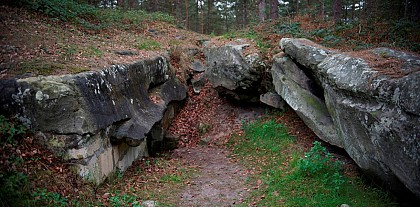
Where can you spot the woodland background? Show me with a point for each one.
(218, 17)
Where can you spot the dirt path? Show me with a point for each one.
(220, 181)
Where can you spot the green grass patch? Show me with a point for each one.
(171, 178)
(40, 67)
(47, 67)
(14, 185)
(156, 179)
(43, 197)
(94, 52)
(10, 129)
(291, 177)
(147, 44)
(75, 70)
(119, 199)
(14, 189)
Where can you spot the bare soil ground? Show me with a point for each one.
(32, 44)
(205, 125)
(219, 182)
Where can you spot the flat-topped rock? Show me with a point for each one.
(98, 120)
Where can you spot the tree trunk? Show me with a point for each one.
(245, 13)
(368, 9)
(274, 9)
(415, 13)
(406, 2)
(196, 16)
(186, 14)
(238, 14)
(297, 7)
(337, 10)
(261, 10)
(156, 6)
(226, 16)
(120, 4)
(178, 10)
(209, 7)
(321, 9)
(171, 10)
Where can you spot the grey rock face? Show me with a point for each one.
(126, 52)
(304, 51)
(197, 66)
(376, 117)
(295, 87)
(273, 99)
(92, 115)
(233, 74)
(198, 84)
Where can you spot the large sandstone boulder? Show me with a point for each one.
(375, 114)
(302, 95)
(234, 74)
(100, 121)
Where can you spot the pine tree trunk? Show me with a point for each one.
(171, 10)
(226, 16)
(178, 10)
(406, 2)
(368, 9)
(186, 14)
(201, 20)
(321, 9)
(245, 14)
(261, 10)
(156, 6)
(197, 22)
(415, 11)
(209, 6)
(274, 10)
(337, 12)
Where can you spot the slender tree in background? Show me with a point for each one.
(337, 10)
(202, 18)
(322, 9)
(209, 13)
(245, 13)
(274, 9)
(220, 16)
(196, 15)
(261, 10)
(415, 13)
(186, 13)
(226, 14)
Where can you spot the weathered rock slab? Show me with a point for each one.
(99, 120)
(294, 86)
(232, 73)
(375, 115)
(273, 99)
